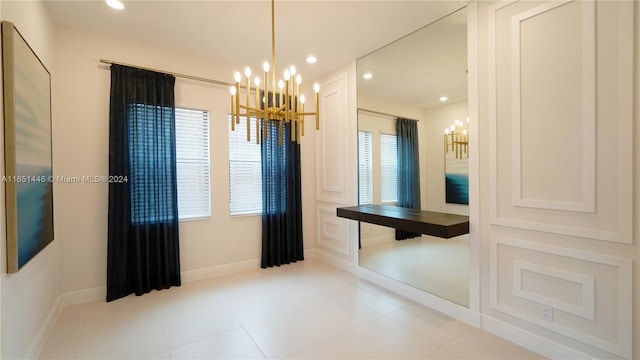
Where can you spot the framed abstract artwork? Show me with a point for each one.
(456, 164)
(27, 150)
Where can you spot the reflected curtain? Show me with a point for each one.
(143, 242)
(408, 170)
(282, 241)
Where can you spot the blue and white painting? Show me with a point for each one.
(32, 148)
(456, 178)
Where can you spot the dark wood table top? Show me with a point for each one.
(433, 223)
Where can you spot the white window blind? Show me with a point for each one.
(365, 168)
(245, 171)
(389, 167)
(192, 163)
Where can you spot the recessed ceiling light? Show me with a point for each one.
(311, 59)
(367, 76)
(444, 98)
(115, 4)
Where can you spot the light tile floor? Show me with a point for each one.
(307, 310)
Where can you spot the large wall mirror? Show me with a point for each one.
(421, 77)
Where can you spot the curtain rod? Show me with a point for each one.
(384, 114)
(190, 77)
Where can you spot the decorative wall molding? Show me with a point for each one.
(333, 232)
(624, 285)
(588, 109)
(522, 213)
(587, 283)
(531, 341)
(332, 162)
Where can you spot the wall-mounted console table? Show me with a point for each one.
(425, 222)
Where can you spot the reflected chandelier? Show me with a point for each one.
(456, 138)
(286, 105)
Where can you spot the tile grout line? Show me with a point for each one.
(254, 342)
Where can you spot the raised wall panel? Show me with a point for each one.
(590, 293)
(561, 117)
(576, 295)
(331, 151)
(336, 162)
(333, 232)
(554, 121)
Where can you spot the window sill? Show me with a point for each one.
(203, 218)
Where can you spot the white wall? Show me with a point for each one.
(28, 296)
(81, 148)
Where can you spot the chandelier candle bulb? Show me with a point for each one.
(302, 112)
(233, 108)
(298, 81)
(238, 78)
(316, 88)
(256, 81)
(287, 92)
(265, 119)
(247, 73)
(293, 131)
(280, 134)
(257, 129)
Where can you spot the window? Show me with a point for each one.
(192, 163)
(389, 167)
(365, 168)
(245, 171)
(147, 133)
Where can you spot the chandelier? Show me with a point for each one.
(456, 138)
(278, 106)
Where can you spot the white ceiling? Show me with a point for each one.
(420, 68)
(239, 32)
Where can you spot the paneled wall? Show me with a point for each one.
(336, 164)
(557, 94)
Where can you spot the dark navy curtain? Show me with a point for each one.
(281, 198)
(143, 242)
(408, 169)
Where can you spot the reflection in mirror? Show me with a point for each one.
(421, 77)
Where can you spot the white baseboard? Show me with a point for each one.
(336, 261)
(219, 270)
(310, 253)
(531, 341)
(100, 293)
(378, 239)
(83, 296)
(227, 269)
(38, 343)
(456, 311)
